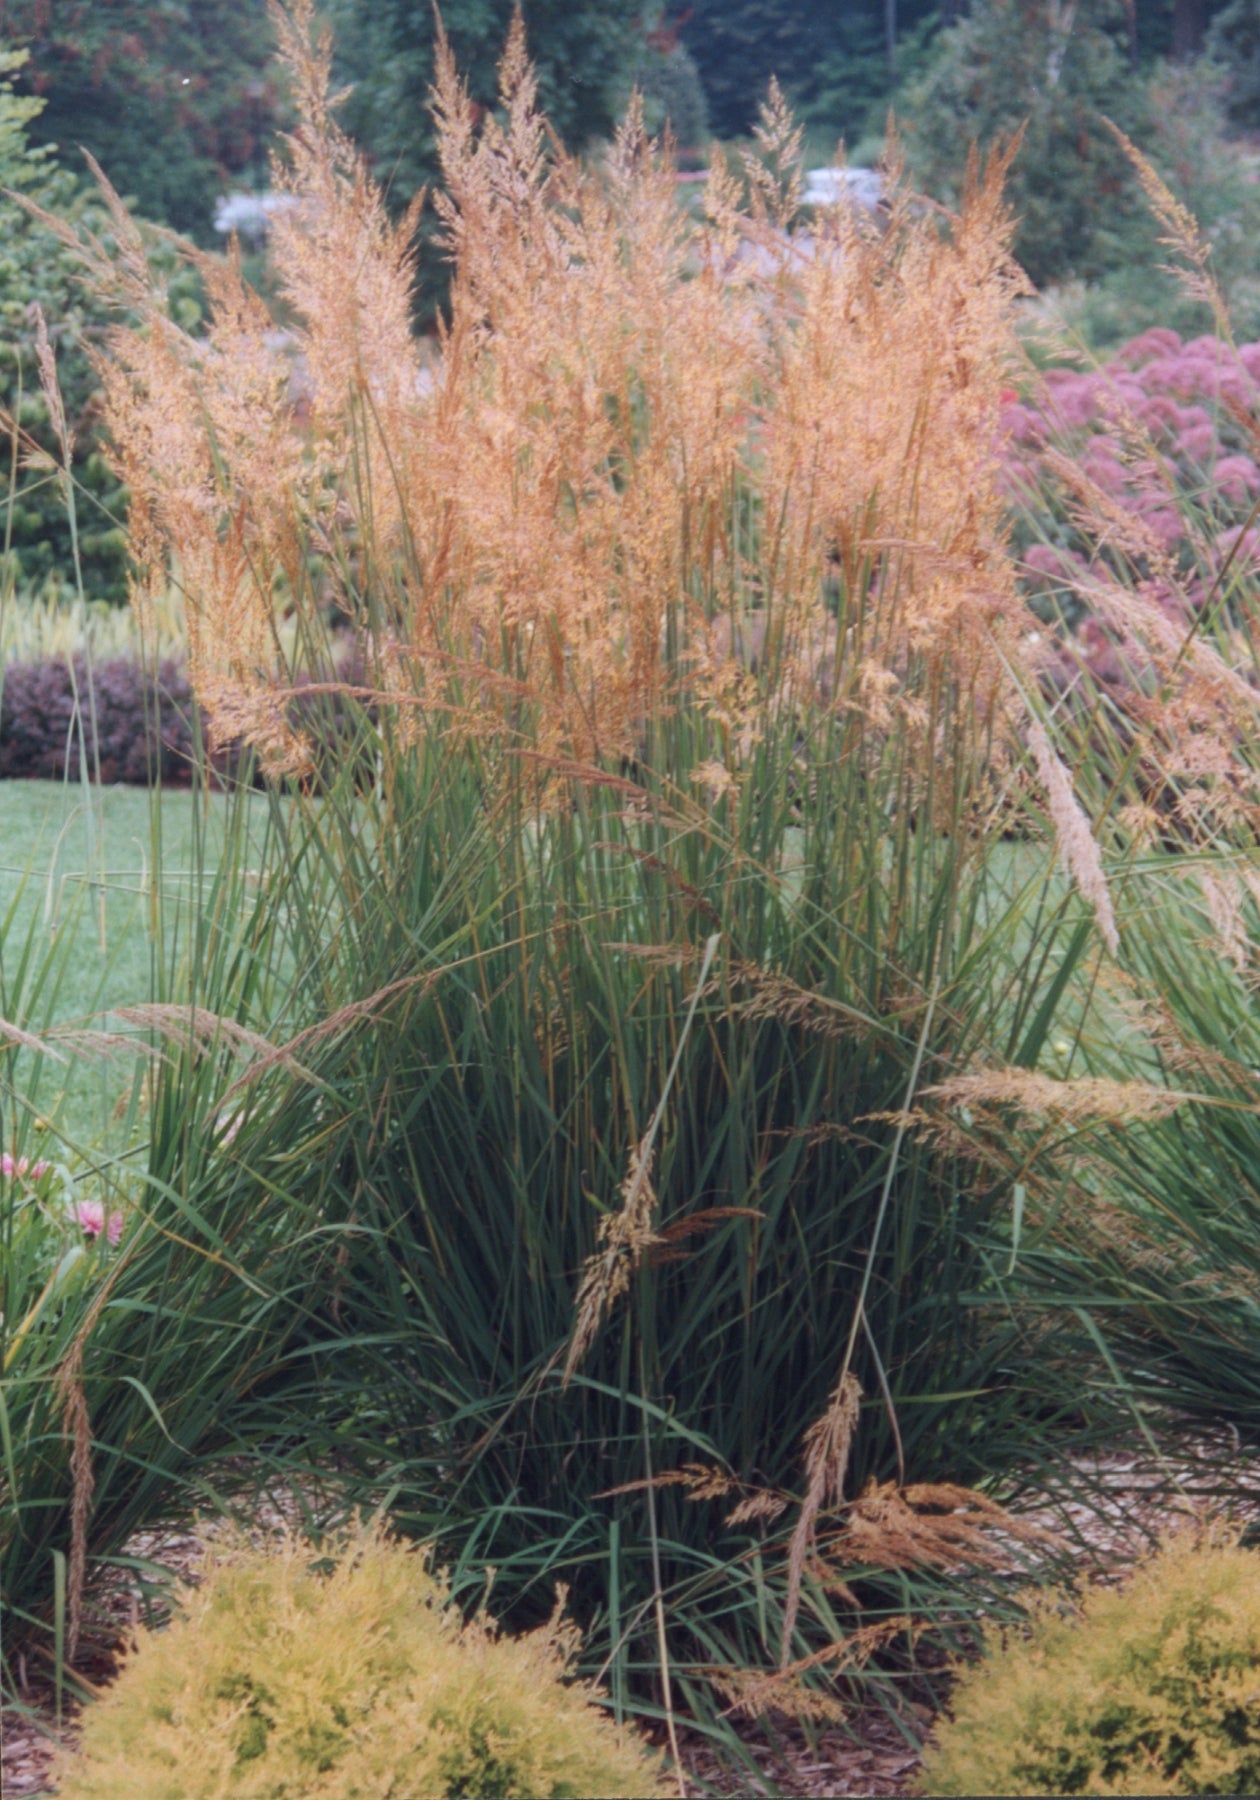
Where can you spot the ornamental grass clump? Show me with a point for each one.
(661, 870)
(342, 1672)
(1153, 1688)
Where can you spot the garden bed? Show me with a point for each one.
(1110, 1507)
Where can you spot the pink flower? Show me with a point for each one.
(1021, 424)
(1103, 467)
(90, 1217)
(1241, 543)
(1237, 477)
(1159, 410)
(22, 1167)
(1158, 341)
(1198, 444)
(1045, 559)
(1164, 522)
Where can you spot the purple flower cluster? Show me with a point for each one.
(1162, 436)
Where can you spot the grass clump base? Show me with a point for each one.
(1150, 1689)
(344, 1672)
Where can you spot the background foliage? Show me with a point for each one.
(38, 275)
(177, 101)
(584, 51)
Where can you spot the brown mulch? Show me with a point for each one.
(1136, 1494)
(869, 1756)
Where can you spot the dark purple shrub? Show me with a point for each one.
(143, 721)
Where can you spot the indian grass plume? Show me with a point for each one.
(888, 1526)
(77, 1427)
(51, 388)
(1078, 848)
(1223, 900)
(624, 1236)
(1181, 234)
(827, 1445)
(17, 1037)
(930, 1524)
(368, 1010)
(703, 1481)
(755, 1692)
(1085, 1098)
(69, 1388)
(559, 495)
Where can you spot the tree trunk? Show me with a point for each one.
(1189, 23)
(890, 36)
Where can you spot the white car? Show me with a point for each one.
(827, 187)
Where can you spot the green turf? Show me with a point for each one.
(79, 876)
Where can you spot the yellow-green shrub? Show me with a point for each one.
(289, 1674)
(1150, 1689)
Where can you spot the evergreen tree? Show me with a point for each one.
(583, 50)
(1059, 72)
(836, 49)
(39, 277)
(1233, 44)
(177, 99)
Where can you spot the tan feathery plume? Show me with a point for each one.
(755, 1692)
(827, 1445)
(704, 1482)
(51, 388)
(1078, 850)
(625, 1236)
(537, 528)
(1078, 1100)
(69, 1388)
(78, 1428)
(932, 1524)
(1223, 898)
(1181, 233)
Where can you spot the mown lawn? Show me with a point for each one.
(81, 881)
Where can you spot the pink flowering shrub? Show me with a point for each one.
(1162, 424)
(1144, 471)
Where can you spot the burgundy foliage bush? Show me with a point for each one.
(139, 725)
(142, 725)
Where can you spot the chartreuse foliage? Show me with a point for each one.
(1147, 1690)
(284, 1675)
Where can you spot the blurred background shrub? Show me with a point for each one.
(134, 724)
